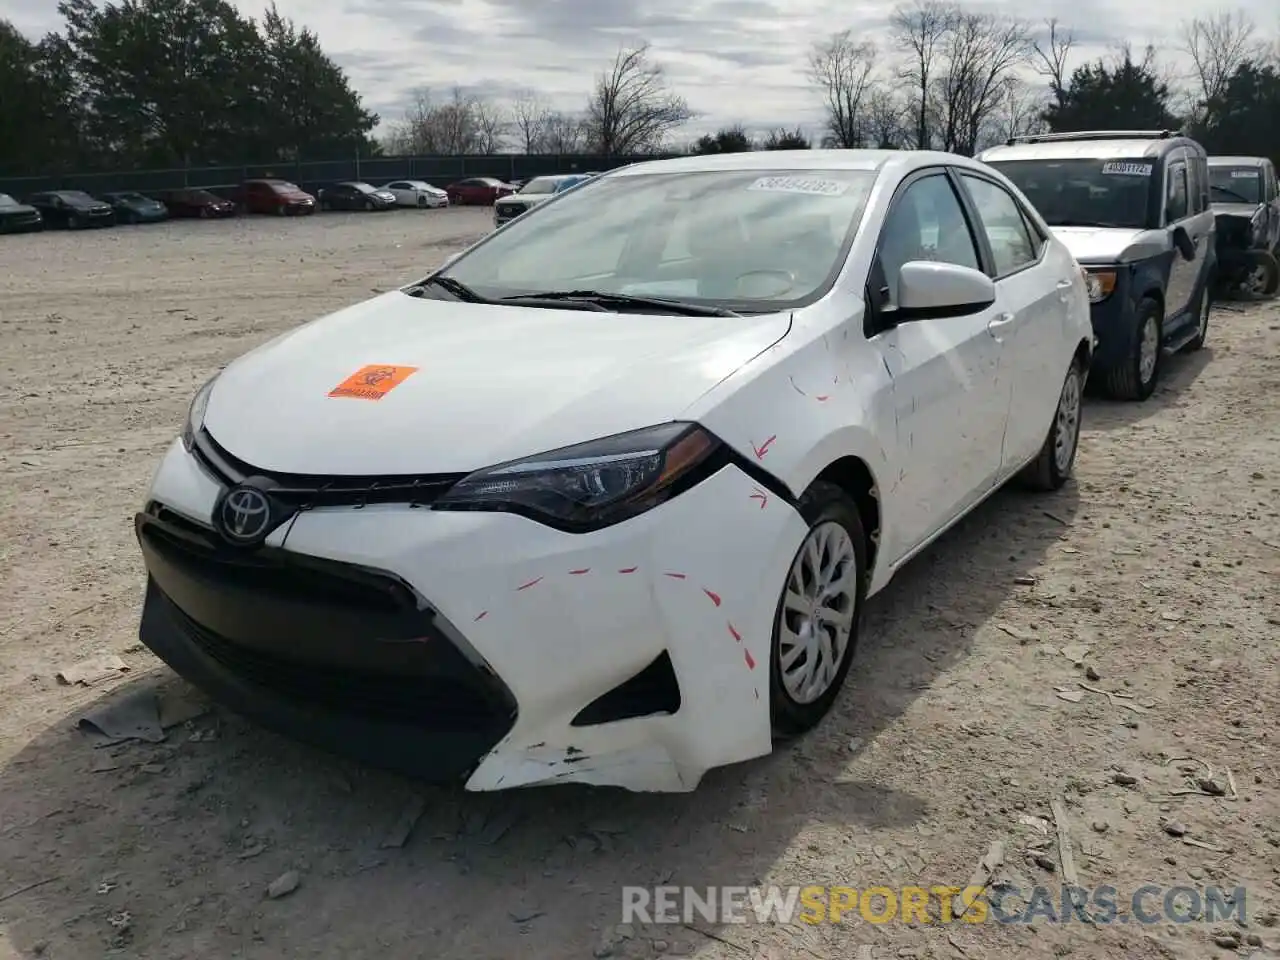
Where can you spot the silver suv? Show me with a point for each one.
(1133, 208)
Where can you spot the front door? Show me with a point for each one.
(950, 405)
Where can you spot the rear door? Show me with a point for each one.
(950, 405)
(1033, 285)
(1271, 194)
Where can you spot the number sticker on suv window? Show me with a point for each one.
(1121, 169)
(1244, 174)
(810, 185)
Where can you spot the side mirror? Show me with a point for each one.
(930, 290)
(1184, 244)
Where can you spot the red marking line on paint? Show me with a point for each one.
(526, 586)
(751, 663)
(761, 450)
(483, 614)
(822, 399)
(762, 497)
(676, 576)
(715, 597)
(629, 570)
(736, 635)
(578, 573)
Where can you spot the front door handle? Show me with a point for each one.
(1000, 325)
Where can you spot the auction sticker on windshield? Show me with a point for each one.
(1120, 168)
(1244, 175)
(373, 381)
(810, 185)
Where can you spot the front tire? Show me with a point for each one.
(1263, 277)
(1052, 467)
(1136, 378)
(815, 628)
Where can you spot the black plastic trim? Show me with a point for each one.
(654, 690)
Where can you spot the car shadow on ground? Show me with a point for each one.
(167, 849)
(1178, 372)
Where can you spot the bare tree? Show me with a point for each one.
(841, 69)
(887, 118)
(492, 126)
(1018, 112)
(405, 137)
(1051, 59)
(920, 30)
(1218, 46)
(562, 134)
(530, 115)
(631, 109)
(981, 53)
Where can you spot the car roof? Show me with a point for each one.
(1102, 148)
(900, 162)
(1237, 161)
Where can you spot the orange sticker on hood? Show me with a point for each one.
(373, 382)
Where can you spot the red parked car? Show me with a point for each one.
(196, 203)
(274, 196)
(478, 191)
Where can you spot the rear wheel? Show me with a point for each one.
(1136, 377)
(815, 629)
(1052, 467)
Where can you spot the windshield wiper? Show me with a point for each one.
(622, 300)
(1084, 223)
(455, 287)
(1239, 196)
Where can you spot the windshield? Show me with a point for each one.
(363, 187)
(1080, 192)
(76, 196)
(7, 201)
(283, 186)
(746, 240)
(540, 185)
(132, 197)
(1236, 184)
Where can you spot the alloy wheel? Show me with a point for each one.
(818, 609)
(1149, 349)
(1068, 422)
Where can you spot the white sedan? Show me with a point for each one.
(416, 193)
(601, 499)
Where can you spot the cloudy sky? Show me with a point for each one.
(737, 61)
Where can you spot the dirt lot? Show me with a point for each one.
(1161, 562)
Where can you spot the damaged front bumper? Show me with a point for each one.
(481, 646)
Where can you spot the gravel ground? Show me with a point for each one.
(1156, 571)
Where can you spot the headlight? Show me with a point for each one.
(595, 484)
(1100, 283)
(195, 415)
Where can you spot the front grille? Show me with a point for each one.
(340, 637)
(434, 701)
(305, 491)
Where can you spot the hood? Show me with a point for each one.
(1246, 210)
(527, 199)
(1109, 244)
(294, 194)
(493, 383)
(19, 208)
(436, 191)
(95, 205)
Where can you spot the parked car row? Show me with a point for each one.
(76, 209)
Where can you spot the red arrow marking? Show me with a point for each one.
(751, 663)
(676, 576)
(483, 614)
(736, 635)
(822, 399)
(764, 447)
(526, 586)
(715, 597)
(629, 570)
(578, 573)
(763, 498)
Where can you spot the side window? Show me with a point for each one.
(926, 222)
(1176, 203)
(1002, 220)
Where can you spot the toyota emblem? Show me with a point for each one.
(244, 516)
